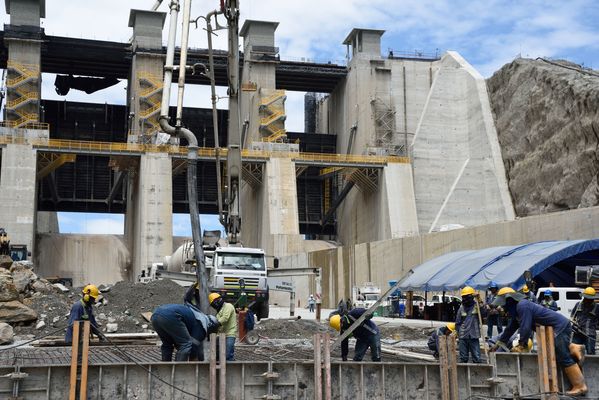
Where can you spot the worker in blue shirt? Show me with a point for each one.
(548, 301)
(467, 325)
(585, 316)
(433, 339)
(524, 316)
(367, 334)
(182, 327)
(83, 311)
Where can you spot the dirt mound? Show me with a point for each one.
(291, 329)
(547, 118)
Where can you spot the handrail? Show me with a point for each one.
(112, 147)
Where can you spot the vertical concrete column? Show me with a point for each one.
(18, 193)
(149, 220)
(144, 92)
(23, 38)
(259, 72)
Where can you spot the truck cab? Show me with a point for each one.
(239, 271)
(565, 297)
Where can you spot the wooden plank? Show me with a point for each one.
(74, 355)
(444, 368)
(551, 363)
(327, 365)
(222, 357)
(84, 362)
(452, 357)
(213, 339)
(317, 369)
(542, 361)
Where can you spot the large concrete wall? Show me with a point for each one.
(381, 261)
(458, 170)
(98, 259)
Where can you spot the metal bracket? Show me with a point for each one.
(16, 375)
(269, 376)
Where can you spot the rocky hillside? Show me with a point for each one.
(547, 118)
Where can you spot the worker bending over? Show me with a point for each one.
(524, 315)
(367, 334)
(182, 327)
(83, 311)
(585, 315)
(225, 314)
(548, 301)
(433, 340)
(467, 324)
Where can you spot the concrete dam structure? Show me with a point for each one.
(415, 146)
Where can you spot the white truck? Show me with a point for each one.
(366, 295)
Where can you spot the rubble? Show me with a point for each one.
(111, 328)
(15, 311)
(5, 261)
(22, 275)
(6, 333)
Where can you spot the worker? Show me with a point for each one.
(524, 316)
(367, 334)
(83, 311)
(225, 314)
(433, 340)
(311, 303)
(182, 327)
(585, 315)
(467, 325)
(493, 317)
(548, 301)
(527, 293)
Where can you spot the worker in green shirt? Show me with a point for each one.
(225, 314)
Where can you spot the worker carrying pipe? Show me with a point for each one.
(83, 311)
(182, 327)
(367, 334)
(524, 316)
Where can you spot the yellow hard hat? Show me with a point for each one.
(467, 290)
(335, 322)
(525, 289)
(91, 291)
(212, 297)
(589, 293)
(451, 326)
(505, 290)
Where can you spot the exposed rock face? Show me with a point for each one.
(22, 276)
(8, 291)
(547, 119)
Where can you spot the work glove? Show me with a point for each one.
(496, 346)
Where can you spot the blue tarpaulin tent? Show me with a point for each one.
(551, 261)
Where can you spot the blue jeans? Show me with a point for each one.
(230, 348)
(174, 334)
(493, 320)
(469, 347)
(373, 342)
(562, 349)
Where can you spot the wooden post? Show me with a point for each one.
(409, 304)
(542, 361)
(213, 339)
(327, 366)
(452, 358)
(480, 322)
(74, 355)
(317, 369)
(84, 361)
(551, 363)
(444, 368)
(222, 360)
(241, 325)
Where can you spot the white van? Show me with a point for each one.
(565, 297)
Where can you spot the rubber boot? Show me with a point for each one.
(574, 375)
(577, 353)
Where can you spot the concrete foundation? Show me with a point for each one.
(97, 259)
(148, 221)
(18, 193)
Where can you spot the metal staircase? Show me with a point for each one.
(22, 94)
(272, 116)
(150, 98)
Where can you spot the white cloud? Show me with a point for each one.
(88, 223)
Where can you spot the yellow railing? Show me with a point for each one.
(275, 136)
(112, 147)
(25, 71)
(150, 111)
(28, 125)
(272, 117)
(23, 98)
(277, 94)
(155, 84)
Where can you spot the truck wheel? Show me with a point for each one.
(262, 311)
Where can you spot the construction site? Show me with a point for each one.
(421, 203)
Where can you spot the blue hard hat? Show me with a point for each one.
(493, 285)
(548, 293)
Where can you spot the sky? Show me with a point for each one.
(488, 34)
